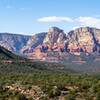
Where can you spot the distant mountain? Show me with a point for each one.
(13, 42)
(54, 45)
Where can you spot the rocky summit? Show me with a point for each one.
(55, 35)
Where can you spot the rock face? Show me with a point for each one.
(33, 42)
(13, 42)
(84, 39)
(55, 35)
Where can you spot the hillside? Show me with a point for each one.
(8, 55)
(13, 42)
(12, 63)
(33, 42)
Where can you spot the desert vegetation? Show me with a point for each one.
(17, 83)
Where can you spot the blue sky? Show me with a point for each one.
(33, 16)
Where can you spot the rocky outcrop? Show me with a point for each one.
(84, 39)
(33, 42)
(55, 35)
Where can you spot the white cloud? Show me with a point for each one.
(55, 19)
(75, 27)
(88, 21)
(81, 21)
